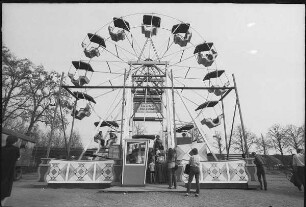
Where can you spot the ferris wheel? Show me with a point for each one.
(148, 67)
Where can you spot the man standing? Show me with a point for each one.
(298, 163)
(261, 170)
(9, 155)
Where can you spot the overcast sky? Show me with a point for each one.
(262, 44)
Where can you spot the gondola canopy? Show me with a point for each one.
(180, 28)
(119, 22)
(184, 128)
(82, 65)
(96, 39)
(203, 47)
(207, 104)
(80, 95)
(213, 74)
(151, 20)
(143, 136)
(107, 123)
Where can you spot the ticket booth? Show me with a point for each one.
(135, 156)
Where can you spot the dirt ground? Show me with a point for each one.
(29, 193)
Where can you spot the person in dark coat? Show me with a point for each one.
(261, 170)
(9, 155)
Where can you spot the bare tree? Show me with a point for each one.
(57, 141)
(279, 138)
(42, 93)
(28, 93)
(139, 129)
(15, 73)
(76, 140)
(238, 141)
(263, 145)
(295, 136)
(218, 142)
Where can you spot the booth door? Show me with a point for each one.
(135, 163)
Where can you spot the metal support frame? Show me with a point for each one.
(172, 88)
(224, 124)
(230, 138)
(173, 110)
(135, 87)
(55, 110)
(70, 137)
(241, 120)
(123, 97)
(198, 124)
(64, 130)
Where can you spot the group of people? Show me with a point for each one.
(298, 165)
(172, 166)
(98, 138)
(156, 169)
(10, 154)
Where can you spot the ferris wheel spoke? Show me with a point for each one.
(174, 64)
(178, 51)
(122, 50)
(142, 50)
(168, 48)
(155, 51)
(132, 44)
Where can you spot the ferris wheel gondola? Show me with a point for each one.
(84, 111)
(82, 76)
(205, 54)
(149, 25)
(94, 50)
(182, 35)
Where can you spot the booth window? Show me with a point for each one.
(135, 153)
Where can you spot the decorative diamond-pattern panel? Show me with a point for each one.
(223, 172)
(104, 172)
(237, 171)
(184, 150)
(57, 172)
(80, 172)
(214, 171)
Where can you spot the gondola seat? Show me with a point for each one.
(83, 80)
(74, 113)
(71, 76)
(208, 59)
(80, 115)
(218, 92)
(92, 52)
(211, 123)
(73, 80)
(116, 36)
(182, 40)
(148, 31)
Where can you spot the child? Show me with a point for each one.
(152, 171)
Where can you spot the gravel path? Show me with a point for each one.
(280, 193)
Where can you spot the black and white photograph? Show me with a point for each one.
(153, 104)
